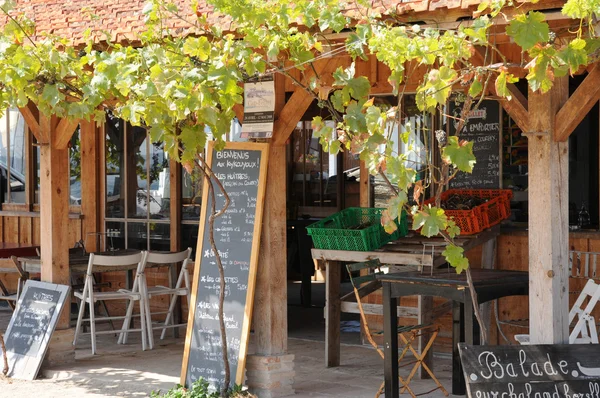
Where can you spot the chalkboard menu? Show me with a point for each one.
(31, 327)
(241, 168)
(553, 371)
(483, 129)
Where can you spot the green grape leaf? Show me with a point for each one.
(502, 82)
(574, 55)
(388, 223)
(475, 89)
(431, 220)
(455, 257)
(459, 154)
(529, 29)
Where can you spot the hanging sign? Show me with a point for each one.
(531, 371)
(259, 108)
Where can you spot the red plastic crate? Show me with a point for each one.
(486, 215)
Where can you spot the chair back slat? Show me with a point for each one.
(115, 261)
(364, 265)
(168, 258)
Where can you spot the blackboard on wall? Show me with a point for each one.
(554, 371)
(31, 327)
(483, 129)
(241, 168)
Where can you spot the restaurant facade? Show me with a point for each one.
(125, 192)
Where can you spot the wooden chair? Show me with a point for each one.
(408, 334)
(182, 288)
(5, 295)
(136, 294)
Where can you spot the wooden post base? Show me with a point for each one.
(61, 349)
(270, 376)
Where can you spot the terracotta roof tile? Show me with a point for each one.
(124, 18)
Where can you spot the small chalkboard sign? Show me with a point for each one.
(553, 371)
(483, 129)
(31, 327)
(241, 168)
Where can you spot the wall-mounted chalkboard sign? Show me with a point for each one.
(483, 129)
(553, 371)
(242, 168)
(31, 327)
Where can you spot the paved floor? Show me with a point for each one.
(126, 371)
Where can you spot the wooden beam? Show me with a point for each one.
(175, 204)
(239, 112)
(578, 105)
(30, 114)
(63, 133)
(270, 314)
(297, 105)
(90, 176)
(548, 219)
(376, 309)
(54, 213)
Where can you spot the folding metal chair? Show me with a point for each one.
(584, 331)
(407, 334)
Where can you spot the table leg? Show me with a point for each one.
(390, 333)
(332, 313)
(425, 306)
(472, 335)
(458, 383)
(306, 287)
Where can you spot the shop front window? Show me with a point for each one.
(409, 138)
(12, 157)
(314, 171)
(137, 188)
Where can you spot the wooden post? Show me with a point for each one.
(90, 184)
(332, 313)
(265, 378)
(548, 219)
(54, 232)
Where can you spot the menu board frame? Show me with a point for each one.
(21, 365)
(263, 148)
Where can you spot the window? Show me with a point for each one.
(137, 189)
(314, 171)
(12, 157)
(409, 138)
(191, 204)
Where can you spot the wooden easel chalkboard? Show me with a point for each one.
(31, 327)
(569, 370)
(483, 129)
(242, 169)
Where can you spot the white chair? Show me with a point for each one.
(182, 288)
(88, 295)
(585, 331)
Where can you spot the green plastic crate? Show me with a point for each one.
(334, 232)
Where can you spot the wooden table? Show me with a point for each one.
(489, 285)
(405, 251)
